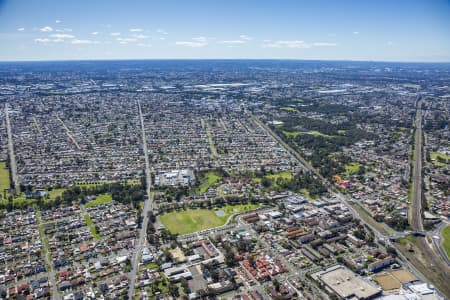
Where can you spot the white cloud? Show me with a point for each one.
(58, 40)
(285, 44)
(144, 45)
(57, 21)
(199, 39)
(64, 30)
(196, 42)
(140, 36)
(62, 36)
(136, 30)
(80, 42)
(126, 40)
(42, 40)
(46, 29)
(324, 44)
(161, 31)
(114, 34)
(232, 43)
(355, 32)
(20, 29)
(94, 33)
(245, 37)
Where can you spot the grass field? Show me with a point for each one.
(100, 199)
(208, 179)
(193, 220)
(435, 155)
(91, 226)
(446, 243)
(89, 185)
(4, 177)
(285, 175)
(291, 133)
(55, 193)
(318, 133)
(352, 168)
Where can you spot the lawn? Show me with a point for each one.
(291, 133)
(318, 133)
(283, 175)
(287, 108)
(55, 193)
(207, 180)
(193, 220)
(100, 199)
(4, 177)
(446, 235)
(91, 226)
(89, 185)
(313, 132)
(352, 168)
(435, 155)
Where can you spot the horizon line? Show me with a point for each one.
(224, 59)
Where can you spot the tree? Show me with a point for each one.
(173, 290)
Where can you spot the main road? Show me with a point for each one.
(148, 204)
(439, 266)
(441, 271)
(416, 205)
(12, 156)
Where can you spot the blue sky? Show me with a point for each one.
(387, 30)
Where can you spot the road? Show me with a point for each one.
(289, 266)
(440, 268)
(51, 273)
(307, 167)
(437, 238)
(416, 207)
(148, 204)
(12, 156)
(69, 133)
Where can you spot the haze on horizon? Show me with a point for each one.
(415, 30)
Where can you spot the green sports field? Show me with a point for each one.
(193, 220)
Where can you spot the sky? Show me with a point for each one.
(374, 30)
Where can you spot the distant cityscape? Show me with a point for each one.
(224, 179)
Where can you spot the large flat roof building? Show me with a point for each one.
(346, 284)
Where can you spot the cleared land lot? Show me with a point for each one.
(387, 281)
(392, 280)
(193, 220)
